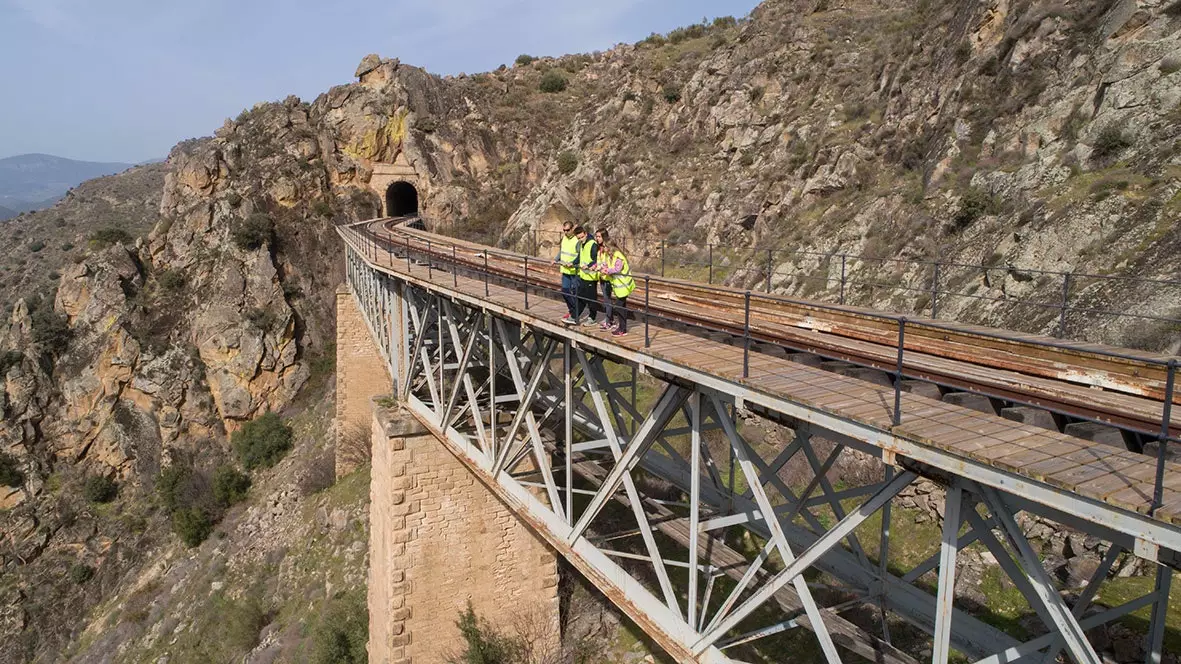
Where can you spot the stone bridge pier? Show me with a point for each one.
(439, 538)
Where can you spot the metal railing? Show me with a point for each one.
(1056, 299)
(423, 252)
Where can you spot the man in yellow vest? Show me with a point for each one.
(614, 264)
(568, 260)
(588, 297)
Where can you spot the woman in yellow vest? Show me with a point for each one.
(622, 284)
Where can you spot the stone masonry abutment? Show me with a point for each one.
(438, 537)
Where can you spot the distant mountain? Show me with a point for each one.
(33, 181)
(6, 213)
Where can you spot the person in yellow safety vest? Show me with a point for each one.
(622, 284)
(568, 260)
(588, 299)
(602, 237)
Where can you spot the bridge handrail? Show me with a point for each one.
(527, 284)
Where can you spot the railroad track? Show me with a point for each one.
(1087, 381)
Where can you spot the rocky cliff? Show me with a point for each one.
(1025, 135)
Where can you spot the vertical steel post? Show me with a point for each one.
(485, 273)
(526, 283)
(898, 373)
(694, 499)
(492, 374)
(662, 245)
(746, 336)
(1160, 610)
(429, 263)
(711, 263)
(389, 251)
(935, 292)
(568, 364)
(884, 555)
(647, 338)
(1066, 278)
(407, 253)
(947, 554)
(770, 270)
(454, 268)
(442, 355)
(843, 273)
(1165, 426)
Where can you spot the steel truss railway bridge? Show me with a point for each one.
(627, 455)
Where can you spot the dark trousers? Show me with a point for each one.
(570, 285)
(605, 286)
(588, 299)
(619, 312)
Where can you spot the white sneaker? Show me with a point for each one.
(589, 322)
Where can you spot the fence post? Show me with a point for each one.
(430, 264)
(647, 338)
(711, 263)
(770, 269)
(536, 243)
(526, 283)
(843, 261)
(661, 257)
(454, 268)
(485, 273)
(389, 250)
(898, 372)
(1165, 425)
(746, 336)
(1066, 278)
(935, 292)
(408, 269)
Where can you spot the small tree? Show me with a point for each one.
(254, 231)
(567, 162)
(342, 635)
(553, 81)
(100, 489)
(484, 644)
(10, 472)
(672, 93)
(105, 237)
(975, 204)
(192, 525)
(80, 573)
(525, 59)
(263, 442)
(1110, 142)
(230, 485)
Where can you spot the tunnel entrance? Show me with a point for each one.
(401, 200)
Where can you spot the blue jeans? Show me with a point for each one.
(570, 285)
(588, 298)
(608, 298)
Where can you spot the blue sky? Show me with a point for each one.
(124, 80)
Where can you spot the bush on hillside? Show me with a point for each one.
(343, 632)
(100, 489)
(1110, 142)
(10, 472)
(230, 485)
(172, 280)
(553, 81)
(672, 93)
(80, 573)
(483, 644)
(567, 162)
(105, 237)
(51, 330)
(253, 232)
(525, 59)
(192, 525)
(263, 442)
(975, 204)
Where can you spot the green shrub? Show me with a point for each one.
(172, 280)
(323, 208)
(10, 472)
(975, 204)
(230, 485)
(174, 487)
(686, 33)
(100, 489)
(36, 246)
(672, 93)
(525, 59)
(484, 644)
(67, 246)
(80, 573)
(724, 22)
(192, 525)
(253, 232)
(343, 632)
(1110, 142)
(9, 360)
(553, 81)
(654, 39)
(567, 162)
(105, 237)
(51, 330)
(263, 442)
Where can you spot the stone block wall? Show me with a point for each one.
(361, 374)
(439, 539)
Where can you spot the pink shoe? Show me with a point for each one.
(618, 333)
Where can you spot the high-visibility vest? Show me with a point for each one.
(622, 283)
(568, 254)
(585, 262)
